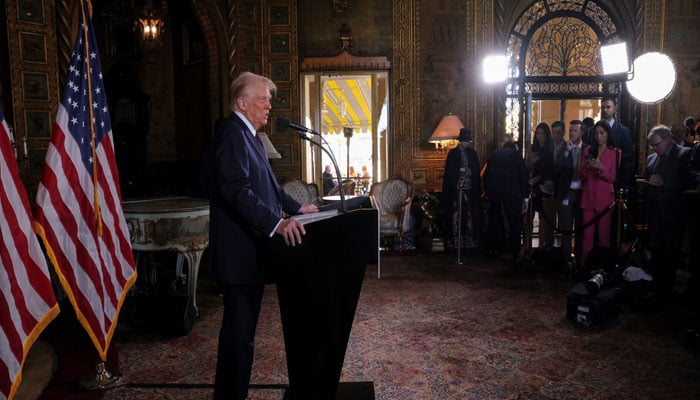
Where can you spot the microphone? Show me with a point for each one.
(285, 123)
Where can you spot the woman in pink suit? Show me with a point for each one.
(598, 170)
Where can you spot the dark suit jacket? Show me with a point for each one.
(505, 177)
(676, 176)
(564, 171)
(453, 163)
(694, 166)
(245, 204)
(623, 140)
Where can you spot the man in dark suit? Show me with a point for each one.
(462, 178)
(667, 175)
(246, 203)
(622, 138)
(567, 188)
(506, 185)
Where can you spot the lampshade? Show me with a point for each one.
(269, 148)
(447, 129)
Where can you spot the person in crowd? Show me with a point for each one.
(567, 188)
(692, 127)
(506, 186)
(550, 205)
(328, 182)
(462, 178)
(352, 174)
(623, 140)
(364, 181)
(598, 171)
(667, 175)
(692, 198)
(245, 211)
(679, 135)
(587, 131)
(541, 166)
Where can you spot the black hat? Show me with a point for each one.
(465, 135)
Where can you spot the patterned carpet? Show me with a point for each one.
(428, 329)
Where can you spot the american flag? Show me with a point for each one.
(78, 206)
(27, 302)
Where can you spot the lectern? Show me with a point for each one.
(318, 285)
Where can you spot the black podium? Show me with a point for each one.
(318, 285)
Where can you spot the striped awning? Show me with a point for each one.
(346, 103)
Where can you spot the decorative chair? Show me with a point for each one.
(393, 199)
(313, 189)
(348, 188)
(300, 191)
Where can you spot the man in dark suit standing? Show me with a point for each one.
(567, 188)
(506, 184)
(245, 211)
(623, 140)
(668, 176)
(462, 178)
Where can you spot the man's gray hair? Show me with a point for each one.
(240, 86)
(662, 131)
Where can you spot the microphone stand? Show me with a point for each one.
(335, 165)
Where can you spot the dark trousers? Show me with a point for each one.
(666, 240)
(511, 207)
(569, 220)
(236, 340)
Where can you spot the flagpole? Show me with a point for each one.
(92, 120)
(101, 378)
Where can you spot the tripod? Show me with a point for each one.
(621, 206)
(528, 226)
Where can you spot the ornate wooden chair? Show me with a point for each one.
(313, 188)
(300, 191)
(348, 188)
(393, 199)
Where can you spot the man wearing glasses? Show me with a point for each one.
(667, 175)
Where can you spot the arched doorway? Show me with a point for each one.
(554, 61)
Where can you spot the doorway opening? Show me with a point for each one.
(350, 111)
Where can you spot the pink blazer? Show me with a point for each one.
(598, 190)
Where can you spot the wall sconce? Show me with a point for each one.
(269, 148)
(150, 20)
(446, 132)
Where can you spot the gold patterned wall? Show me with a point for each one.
(681, 42)
(435, 59)
(280, 62)
(35, 94)
(436, 71)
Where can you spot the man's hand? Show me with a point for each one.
(307, 209)
(523, 208)
(291, 230)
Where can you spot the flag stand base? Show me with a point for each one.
(101, 379)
